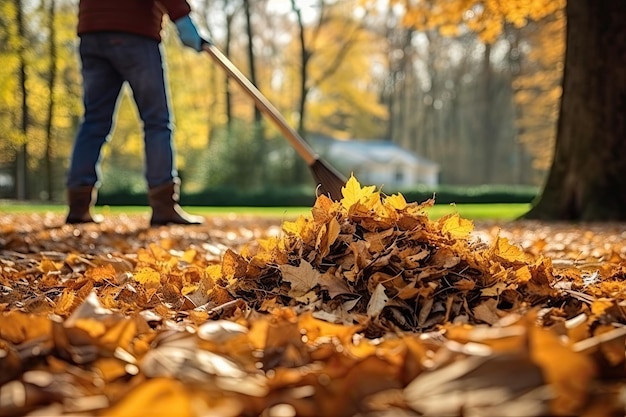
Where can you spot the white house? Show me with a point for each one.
(377, 162)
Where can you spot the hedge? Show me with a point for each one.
(305, 196)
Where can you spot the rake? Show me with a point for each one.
(329, 180)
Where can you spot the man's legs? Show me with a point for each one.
(101, 88)
(142, 67)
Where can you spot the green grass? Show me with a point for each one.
(468, 211)
(481, 211)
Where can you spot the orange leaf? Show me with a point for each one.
(100, 273)
(155, 397)
(568, 372)
(65, 302)
(599, 306)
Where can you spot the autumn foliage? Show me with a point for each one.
(365, 307)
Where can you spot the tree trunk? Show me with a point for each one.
(229, 99)
(305, 56)
(251, 59)
(22, 154)
(587, 180)
(52, 69)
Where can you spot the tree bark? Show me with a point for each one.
(587, 180)
(22, 155)
(305, 56)
(251, 59)
(52, 69)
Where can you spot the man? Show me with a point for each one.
(120, 41)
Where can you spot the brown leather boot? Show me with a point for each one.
(165, 209)
(80, 201)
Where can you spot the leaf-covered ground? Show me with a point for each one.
(365, 308)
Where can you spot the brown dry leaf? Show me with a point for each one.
(302, 278)
(377, 302)
(487, 311)
(481, 386)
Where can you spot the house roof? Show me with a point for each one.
(357, 151)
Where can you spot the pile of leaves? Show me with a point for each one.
(366, 307)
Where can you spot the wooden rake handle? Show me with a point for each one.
(263, 104)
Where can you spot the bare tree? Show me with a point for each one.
(52, 73)
(308, 50)
(21, 173)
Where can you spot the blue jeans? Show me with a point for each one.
(108, 60)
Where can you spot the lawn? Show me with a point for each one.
(469, 211)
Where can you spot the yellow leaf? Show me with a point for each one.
(46, 265)
(599, 306)
(523, 274)
(148, 277)
(189, 288)
(353, 192)
(189, 255)
(396, 201)
(511, 253)
(214, 272)
(455, 226)
(295, 228)
(372, 201)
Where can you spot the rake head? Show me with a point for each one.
(330, 180)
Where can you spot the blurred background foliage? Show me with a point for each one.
(478, 97)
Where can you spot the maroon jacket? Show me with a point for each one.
(141, 17)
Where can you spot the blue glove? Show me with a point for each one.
(188, 33)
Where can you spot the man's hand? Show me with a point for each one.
(188, 33)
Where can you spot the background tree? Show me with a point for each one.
(587, 180)
(21, 168)
(52, 78)
(587, 175)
